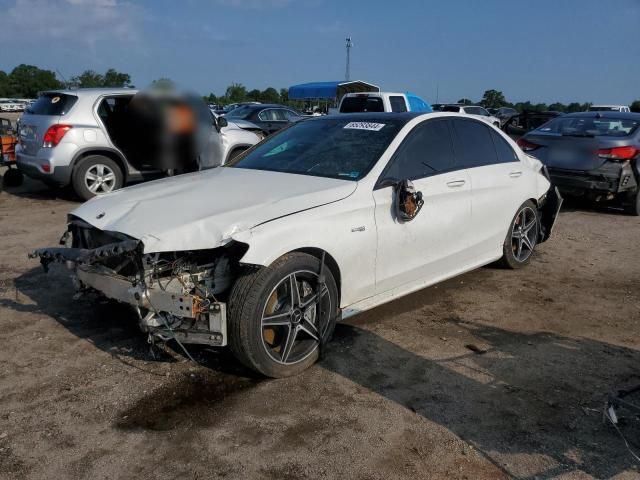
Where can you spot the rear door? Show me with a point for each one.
(497, 182)
(48, 110)
(434, 243)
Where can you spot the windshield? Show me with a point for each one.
(240, 112)
(451, 108)
(328, 147)
(590, 126)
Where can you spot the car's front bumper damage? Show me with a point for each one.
(177, 295)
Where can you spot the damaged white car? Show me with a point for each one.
(325, 219)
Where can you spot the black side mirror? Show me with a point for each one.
(408, 202)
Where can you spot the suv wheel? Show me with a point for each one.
(96, 175)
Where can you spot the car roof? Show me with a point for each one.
(92, 92)
(609, 106)
(605, 114)
(372, 116)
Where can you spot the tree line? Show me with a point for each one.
(496, 99)
(25, 81)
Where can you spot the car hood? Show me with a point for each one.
(206, 209)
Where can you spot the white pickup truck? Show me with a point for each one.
(382, 102)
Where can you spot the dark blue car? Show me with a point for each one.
(591, 154)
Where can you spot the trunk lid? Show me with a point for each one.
(568, 152)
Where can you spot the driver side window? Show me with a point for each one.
(426, 151)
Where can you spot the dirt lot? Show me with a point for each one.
(399, 395)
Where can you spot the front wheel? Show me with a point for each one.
(279, 314)
(522, 237)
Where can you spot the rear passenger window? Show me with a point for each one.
(397, 104)
(503, 149)
(426, 151)
(472, 143)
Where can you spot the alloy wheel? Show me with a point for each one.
(100, 178)
(524, 234)
(295, 317)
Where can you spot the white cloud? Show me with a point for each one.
(85, 22)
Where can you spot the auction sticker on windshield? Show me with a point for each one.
(376, 127)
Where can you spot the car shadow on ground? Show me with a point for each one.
(536, 394)
(573, 204)
(525, 395)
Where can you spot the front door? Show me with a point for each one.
(434, 243)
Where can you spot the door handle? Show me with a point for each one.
(455, 183)
(515, 174)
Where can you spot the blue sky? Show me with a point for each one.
(564, 50)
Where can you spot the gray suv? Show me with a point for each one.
(75, 137)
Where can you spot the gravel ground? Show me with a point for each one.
(400, 394)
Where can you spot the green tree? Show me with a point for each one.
(254, 95)
(493, 99)
(270, 95)
(87, 79)
(284, 95)
(635, 106)
(27, 80)
(114, 79)
(558, 107)
(236, 92)
(574, 107)
(163, 83)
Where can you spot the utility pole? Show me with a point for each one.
(348, 72)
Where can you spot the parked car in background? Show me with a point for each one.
(591, 154)
(262, 118)
(323, 220)
(521, 123)
(88, 138)
(382, 102)
(475, 110)
(503, 114)
(609, 108)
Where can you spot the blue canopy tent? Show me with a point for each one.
(417, 104)
(329, 90)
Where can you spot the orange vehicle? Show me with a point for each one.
(8, 140)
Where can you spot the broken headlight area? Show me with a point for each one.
(177, 295)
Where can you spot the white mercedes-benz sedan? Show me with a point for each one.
(325, 219)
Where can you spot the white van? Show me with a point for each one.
(382, 102)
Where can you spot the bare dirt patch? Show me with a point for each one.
(401, 393)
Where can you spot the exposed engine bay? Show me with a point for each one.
(177, 295)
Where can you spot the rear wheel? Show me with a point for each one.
(96, 175)
(522, 237)
(632, 206)
(278, 314)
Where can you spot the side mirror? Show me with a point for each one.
(222, 122)
(408, 202)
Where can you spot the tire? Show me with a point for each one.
(257, 290)
(632, 207)
(234, 153)
(519, 245)
(93, 165)
(13, 178)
